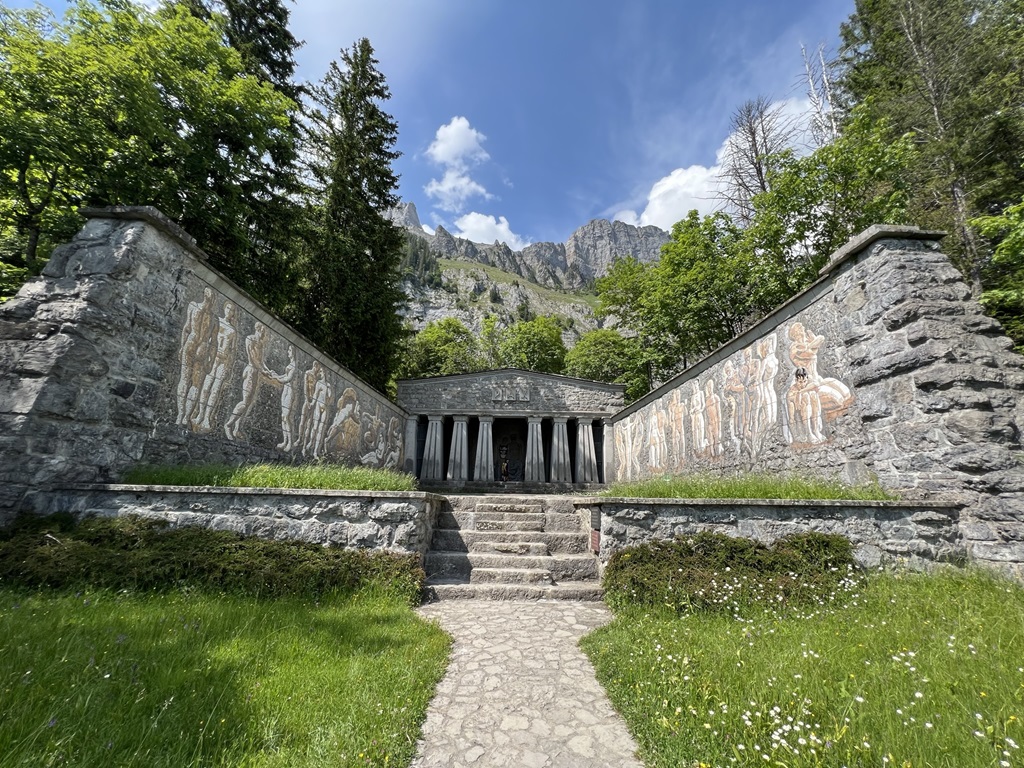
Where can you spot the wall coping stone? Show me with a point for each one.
(249, 491)
(809, 503)
(875, 232)
(150, 215)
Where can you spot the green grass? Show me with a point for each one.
(315, 476)
(184, 679)
(909, 670)
(748, 486)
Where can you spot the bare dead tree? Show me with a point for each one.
(824, 124)
(758, 129)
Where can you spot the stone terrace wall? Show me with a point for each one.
(915, 534)
(130, 349)
(884, 368)
(392, 521)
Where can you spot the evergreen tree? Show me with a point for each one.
(352, 289)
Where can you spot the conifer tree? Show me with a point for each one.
(352, 288)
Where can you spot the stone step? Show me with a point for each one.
(561, 567)
(574, 543)
(508, 508)
(510, 576)
(523, 521)
(536, 549)
(455, 590)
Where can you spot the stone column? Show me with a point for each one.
(561, 465)
(433, 451)
(409, 447)
(586, 456)
(534, 452)
(483, 467)
(458, 457)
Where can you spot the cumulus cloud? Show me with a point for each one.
(481, 228)
(672, 197)
(454, 190)
(457, 145)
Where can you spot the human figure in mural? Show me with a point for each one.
(223, 359)
(804, 410)
(289, 383)
(734, 394)
(254, 375)
(713, 407)
(394, 454)
(313, 421)
(374, 436)
(676, 417)
(343, 434)
(194, 348)
(636, 455)
(767, 401)
(656, 441)
(698, 429)
(622, 443)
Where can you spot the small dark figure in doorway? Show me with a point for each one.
(503, 456)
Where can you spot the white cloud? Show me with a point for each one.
(457, 145)
(481, 228)
(672, 197)
(454, 190)
(427, 229)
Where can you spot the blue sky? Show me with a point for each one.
(522, 120)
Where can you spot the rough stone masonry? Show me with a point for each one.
(885, 368)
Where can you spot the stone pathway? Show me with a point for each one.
(519, 691)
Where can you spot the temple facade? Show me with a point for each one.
(508, 425)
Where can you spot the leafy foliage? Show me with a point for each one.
(139, 554)
(606, 355)
(442, 348)
(682, 573)
(1005, 300)
(350, 267)
(533, 345)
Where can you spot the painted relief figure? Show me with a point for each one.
(622, 449)
(394, 454)
(713, 407)
(374, 438)
(656, 441)
(767, 400)
(254, 376)
(313, 422)
(194, 349)
(223, 357)
(676, 417)
(698, 427)
(288, 381)
(811, 397)
(343, 435)
(734, 395)
(636, 454)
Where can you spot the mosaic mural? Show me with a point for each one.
(263, 390)
(755, 398)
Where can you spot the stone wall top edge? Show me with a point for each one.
(871, 235)
(603, 416)
(215, 490)
(225, 285)
(834, 503)
(427, 381)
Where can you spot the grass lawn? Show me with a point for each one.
(746, 486)
(315, 476)
(907, 670)
(186, 678)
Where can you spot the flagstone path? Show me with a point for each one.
(519, 691)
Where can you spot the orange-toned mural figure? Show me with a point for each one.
(811, 397)
(343, 434)
(698, 428)
(313, 421)
(254, 375)
(223, 358)
(713, 406)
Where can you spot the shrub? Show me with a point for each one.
(712, 572)
(140, 554)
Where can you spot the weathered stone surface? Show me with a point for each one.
(887, 533)
(886, 362)
(395, 521)
(130, 349)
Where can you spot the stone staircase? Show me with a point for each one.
(511, 548)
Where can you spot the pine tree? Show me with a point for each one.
(352, 263)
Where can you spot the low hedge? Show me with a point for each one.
(718, 573)
(135, 553)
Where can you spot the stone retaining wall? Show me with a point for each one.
(885, 368)
(130, 349)
(392, 521)
(883, 533)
